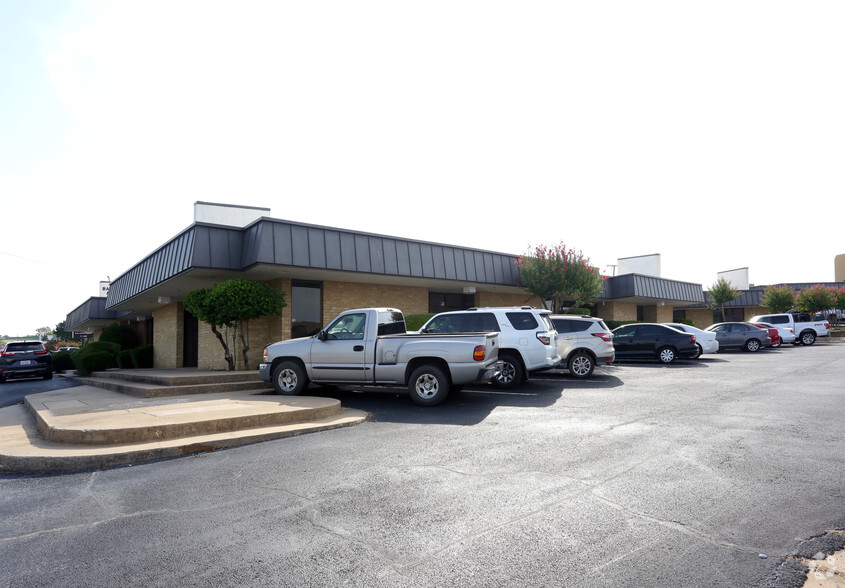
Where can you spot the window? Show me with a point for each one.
(482, 322)
(563, 325)
(522, 321)
(390, 323)
(449, 301)
(306, 308)
(447, 323)
(348, 327)
(626, 331)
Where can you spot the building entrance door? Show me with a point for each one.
(190, 340)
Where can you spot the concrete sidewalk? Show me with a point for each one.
(89, 427)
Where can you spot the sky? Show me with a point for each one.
(712, 133)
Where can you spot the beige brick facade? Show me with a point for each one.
(617, 311)
(701, 317)
(499, 299)
(168, 334)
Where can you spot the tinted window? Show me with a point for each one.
(562, 325)
(652, 331)
(580, 326)
(522, 321)
(390, 322)
(777, 320)
(21, 347)
(627, 331)
(481, 322)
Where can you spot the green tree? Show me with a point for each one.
(230, 306)
(778, 298)
(63, 334)
(559, 274)
(817, 299)
(721, 293)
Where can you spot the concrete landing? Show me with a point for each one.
(88, 427)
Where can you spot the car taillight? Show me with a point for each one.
(544, 338)
(827, 325)
(42, 352)
(7, 354)
(603, 336)
(479, 353)
(692, 338)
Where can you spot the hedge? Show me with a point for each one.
(62, 361)
(95, 357)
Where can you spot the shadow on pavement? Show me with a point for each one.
(470, 406)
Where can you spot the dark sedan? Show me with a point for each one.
(653, 341)
(740, 336)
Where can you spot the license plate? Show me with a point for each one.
(26, 362)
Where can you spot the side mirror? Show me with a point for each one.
(322, 336)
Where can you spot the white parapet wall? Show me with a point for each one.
(230, 215)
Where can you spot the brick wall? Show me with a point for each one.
(702, 317)
(167, 336)
(499, 299)
(617, 311)
(340, 296)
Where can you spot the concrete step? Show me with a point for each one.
(121, 420)
(178, 376)
(148, 389)
(86, 427)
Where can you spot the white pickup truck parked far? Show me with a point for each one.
(370, 346)
(806, 329)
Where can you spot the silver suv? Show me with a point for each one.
(527, 338)
(583, 343)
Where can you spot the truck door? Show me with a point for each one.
(340, 356)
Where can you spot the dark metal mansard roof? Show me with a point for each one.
(205, 254)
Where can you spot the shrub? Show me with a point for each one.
(97, 356)
(125, 359)
(62, 361)
(414, 322)
(579, 311)
(122, 335)
(142, 357)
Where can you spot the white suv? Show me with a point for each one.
(584, 342)
(527, 338)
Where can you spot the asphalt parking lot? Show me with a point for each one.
(703, 473)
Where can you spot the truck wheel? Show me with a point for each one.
(428, 385)
(808, 338)
(581, 365)
(752, 345)
(512, 374)
(666, 355)
(289, 378)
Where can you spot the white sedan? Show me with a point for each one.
(705, 340)
(787, 334)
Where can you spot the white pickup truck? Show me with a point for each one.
(369, 346)
(806, 329)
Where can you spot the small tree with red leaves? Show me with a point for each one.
(559, 274)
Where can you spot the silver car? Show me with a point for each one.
(583, 343)
(740, 335)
